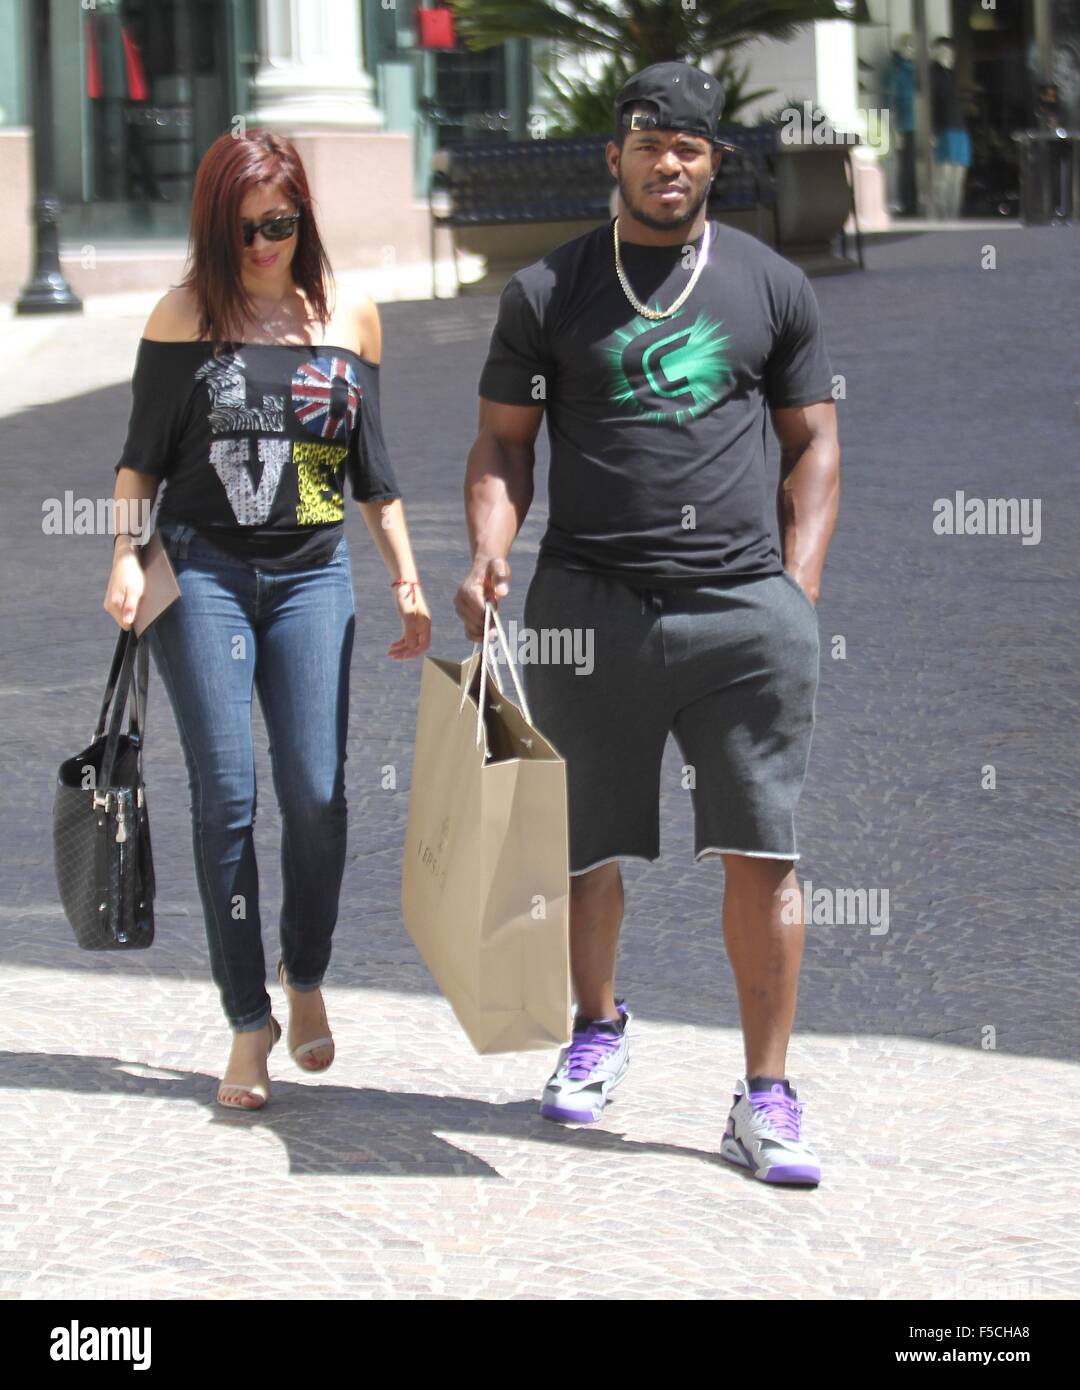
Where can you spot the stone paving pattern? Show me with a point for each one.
(417, 1169)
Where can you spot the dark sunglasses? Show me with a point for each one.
(274, 229)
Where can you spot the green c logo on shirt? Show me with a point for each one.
(672, 370)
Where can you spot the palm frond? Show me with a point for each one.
(647, 31)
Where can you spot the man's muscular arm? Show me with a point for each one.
(498, 493)
(808, 498)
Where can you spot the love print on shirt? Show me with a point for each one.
(325, 399)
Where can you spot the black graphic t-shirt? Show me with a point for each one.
(657, 427)
(255, 444)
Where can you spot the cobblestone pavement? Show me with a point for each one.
(938, 1057)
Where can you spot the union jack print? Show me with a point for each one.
(326, 397)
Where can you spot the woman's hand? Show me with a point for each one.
(126, 584)
(415, 623)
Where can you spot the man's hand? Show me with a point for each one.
(487, 581)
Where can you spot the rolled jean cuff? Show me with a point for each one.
(304, 986)
(254, 1022)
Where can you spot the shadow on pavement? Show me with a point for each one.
(336, 1130)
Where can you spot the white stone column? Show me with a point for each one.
(837, 69)
(311, 74)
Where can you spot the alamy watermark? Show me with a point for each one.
(836, 907)
(549, 646)
(961, 515)
(95, 516)
(73, 1342)
(807, 125)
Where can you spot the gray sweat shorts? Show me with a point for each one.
(730, 667)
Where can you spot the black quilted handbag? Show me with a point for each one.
(101, 829)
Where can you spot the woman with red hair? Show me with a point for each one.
(256, 400)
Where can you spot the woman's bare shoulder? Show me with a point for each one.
(174, 318)
(356, 325)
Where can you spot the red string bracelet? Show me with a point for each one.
(411, 584)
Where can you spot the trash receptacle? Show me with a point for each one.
(1049, 182)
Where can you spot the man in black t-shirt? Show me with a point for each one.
(656, 345)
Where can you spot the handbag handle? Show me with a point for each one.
(491, 612)
(139, 692)
(122, 643)
(133, 662)
(138, 711)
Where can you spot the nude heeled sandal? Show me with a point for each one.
(242, 1087)
(296, 1053)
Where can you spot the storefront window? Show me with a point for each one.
(141, 89)
(471, 96)
(13, 40)
(999, 101)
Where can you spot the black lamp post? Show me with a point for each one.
(47, 291)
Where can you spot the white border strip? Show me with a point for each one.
(745, 854)
(709, 851)
(613, 859)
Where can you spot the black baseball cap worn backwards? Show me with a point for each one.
(682, 97)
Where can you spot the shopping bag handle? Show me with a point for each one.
(467, 680)
(491, 612)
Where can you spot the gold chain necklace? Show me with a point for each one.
(636, 303)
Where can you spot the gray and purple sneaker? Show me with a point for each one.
(765, 1134)
(589, 1070)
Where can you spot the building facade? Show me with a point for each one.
(140, 88)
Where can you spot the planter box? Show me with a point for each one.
(813, 203)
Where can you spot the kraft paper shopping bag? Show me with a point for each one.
(485, 877)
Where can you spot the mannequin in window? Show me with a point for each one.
(952, 143)
(117, 86)
(899, 97)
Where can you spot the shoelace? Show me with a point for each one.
(588, 1049)
(781, 1111)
